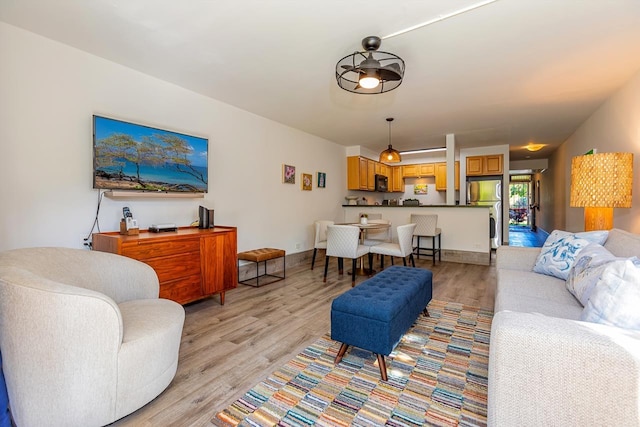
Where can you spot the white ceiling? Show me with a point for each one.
(509, 72)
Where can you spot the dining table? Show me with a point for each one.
(362, 271)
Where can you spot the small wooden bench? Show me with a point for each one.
(258, 256)
(375, 314)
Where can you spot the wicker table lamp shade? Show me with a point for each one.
(599, 183)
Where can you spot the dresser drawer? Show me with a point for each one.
(144, 250)
(182, 291)
(175, 266)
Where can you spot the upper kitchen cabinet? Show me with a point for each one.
(484, 165)
(361, 173)
(418, 171)
(441, 176)
(396, 181)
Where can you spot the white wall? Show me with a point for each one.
(48, 93)
(614, 127)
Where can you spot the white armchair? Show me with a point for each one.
(320, 238)
(402, 249)
(85, 339)
(343, 241)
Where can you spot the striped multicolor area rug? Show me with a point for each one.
(437, 376)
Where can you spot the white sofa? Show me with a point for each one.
(85, 340)
(547, 368)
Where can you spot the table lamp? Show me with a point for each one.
(599, 183)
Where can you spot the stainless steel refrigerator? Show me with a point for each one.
(488, 192)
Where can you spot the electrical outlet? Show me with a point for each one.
(298, 245)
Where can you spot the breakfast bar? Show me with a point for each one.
(465, 229)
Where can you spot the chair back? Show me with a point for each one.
(321, 232)
(426, 225)
(343, 241)
(405, 238)
(382, 234)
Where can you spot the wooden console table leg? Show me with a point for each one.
(222, 298)
(383, 367)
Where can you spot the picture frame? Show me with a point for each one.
(307, 182)
(420, 189)
(288, 174)
(322, 180)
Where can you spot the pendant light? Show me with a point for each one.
(390, 155)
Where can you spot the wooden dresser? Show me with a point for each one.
(190, 263)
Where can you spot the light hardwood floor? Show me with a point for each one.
(226, 350)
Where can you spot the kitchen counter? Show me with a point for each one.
(408, 206)
(465, 228)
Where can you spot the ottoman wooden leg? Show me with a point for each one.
(426, 312)
(341, 352)
(383, 366)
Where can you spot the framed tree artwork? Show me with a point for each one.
(322, 180)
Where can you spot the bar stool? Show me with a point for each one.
(426, 226)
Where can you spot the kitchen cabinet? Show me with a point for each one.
(357, 173)
(371, 175)
(396, 181)
(485, 165)
(191, 263)
(381, 169)
(441, 176)
(418, 171)
(361, 173)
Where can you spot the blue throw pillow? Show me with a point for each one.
(559, 251)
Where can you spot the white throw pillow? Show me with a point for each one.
(587, 269)
(560, 249)
(616, 297)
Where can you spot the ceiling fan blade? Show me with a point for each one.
(391, 72)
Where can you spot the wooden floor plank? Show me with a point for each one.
(226, 350)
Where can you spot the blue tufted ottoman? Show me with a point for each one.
(375, 314)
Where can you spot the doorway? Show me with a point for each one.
(519, 202)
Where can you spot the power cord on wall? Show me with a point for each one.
(96, 223)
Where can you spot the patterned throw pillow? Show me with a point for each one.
(560, 249)
(616, 297)
(587, 269)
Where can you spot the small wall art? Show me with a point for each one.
(420, 189)
(307, 181)
(322, 180)
(288, 174)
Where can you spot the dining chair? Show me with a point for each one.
(376, 236)
(320, 238)
(402, 249)
(427, 226)
(343, 241)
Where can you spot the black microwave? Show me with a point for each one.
(381, 183)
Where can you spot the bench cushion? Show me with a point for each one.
(375, 314)
(259, 255)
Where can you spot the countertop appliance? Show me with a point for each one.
(488, 192)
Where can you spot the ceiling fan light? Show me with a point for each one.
(369, 82)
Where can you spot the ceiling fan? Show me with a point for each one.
(371, 71)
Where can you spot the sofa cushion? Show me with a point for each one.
(623, 244)
(616, 297)
(529, 292)
(586, 271)
(560, 249)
